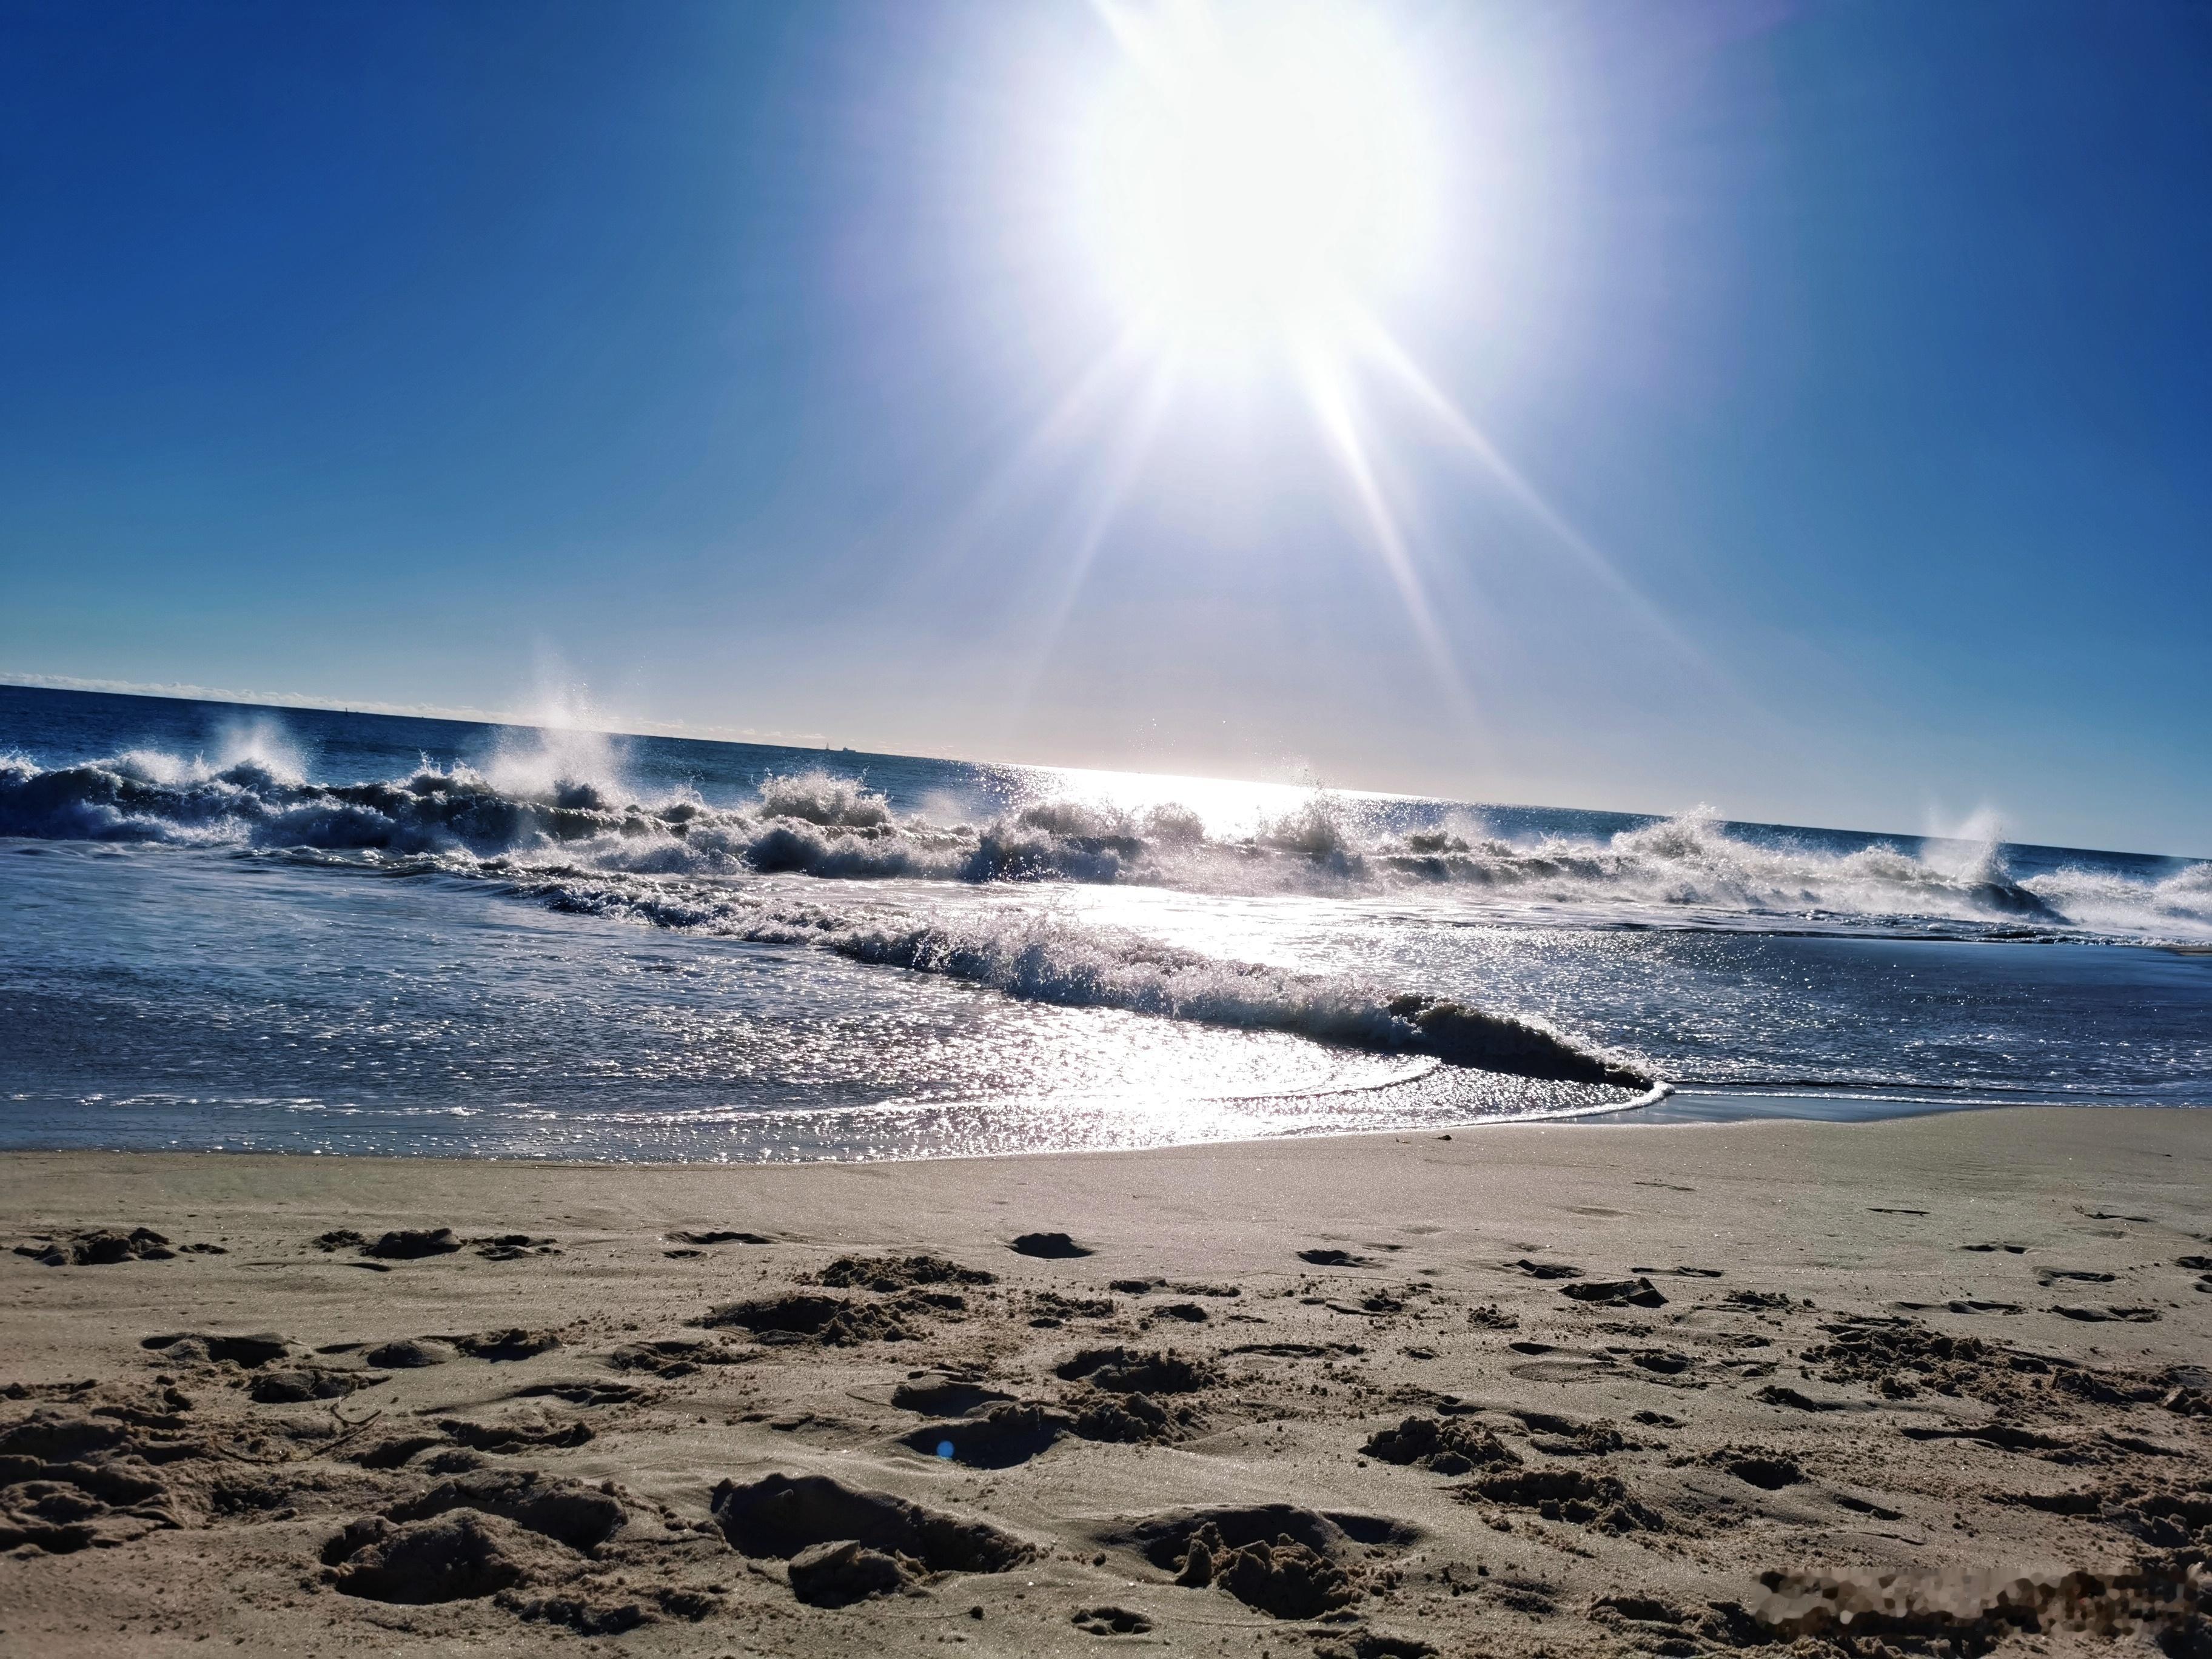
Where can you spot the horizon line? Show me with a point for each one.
(678, 730)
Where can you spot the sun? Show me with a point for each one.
(1258, 188)
(1255, 168)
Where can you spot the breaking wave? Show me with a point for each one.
(1039, 959)
(1687, 871)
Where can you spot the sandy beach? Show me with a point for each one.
(1560, 1388)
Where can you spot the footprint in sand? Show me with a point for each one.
(1561, 1371)
(2128, 1315)
(1333, 1258)
(778, 1517)
(1616, 1293)
(1002, 1439)
(513, 1247)
(1282, 1559)
(1773, 1300)
(945, 1396)
(581, 1394)
(1110, 1621)
(100, 1247)
(504, 1346)
(519, 1436)
(1866, 1506)
(1050, 1246)
(411, 1353)
(1755, 1465)
(249, 1352)
(2047, 1276)
(1780, 1393)
(1190, 1313)
(1549, 1269)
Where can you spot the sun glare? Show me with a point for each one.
(1256, 167)
(1257, 188)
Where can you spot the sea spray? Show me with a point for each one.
(561, 806)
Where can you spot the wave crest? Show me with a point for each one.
(1039, 959)
(1687, 869)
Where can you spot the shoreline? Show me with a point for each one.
(1668, 1106)
(1567, 1384)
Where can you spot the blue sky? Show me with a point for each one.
(1854, 362)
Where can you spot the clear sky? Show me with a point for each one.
(1801, 408)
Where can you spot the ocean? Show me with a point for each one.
(242, 927)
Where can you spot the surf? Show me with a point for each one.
(1693, 870)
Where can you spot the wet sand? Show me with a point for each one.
(1566, 1389)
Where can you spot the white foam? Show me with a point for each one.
(560, 800)
(1041, 958)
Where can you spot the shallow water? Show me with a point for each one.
(233, 927)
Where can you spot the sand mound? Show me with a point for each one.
(1283, 1579)
(1285, 1561)
(1164, 1539)
(839, 1574)
(830, 1320)
(1588, 1497)
(671, 1356)
(1446, 1448)
(69, 1481)
(1124, 1370)
(567, 1512)
(898, 1273)
(454, 1558)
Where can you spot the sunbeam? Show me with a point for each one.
(1323, 374)
(1375, 343)
(1094, 517)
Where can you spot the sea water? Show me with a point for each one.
(232, 926)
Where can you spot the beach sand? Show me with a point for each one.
(1558, 1389)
